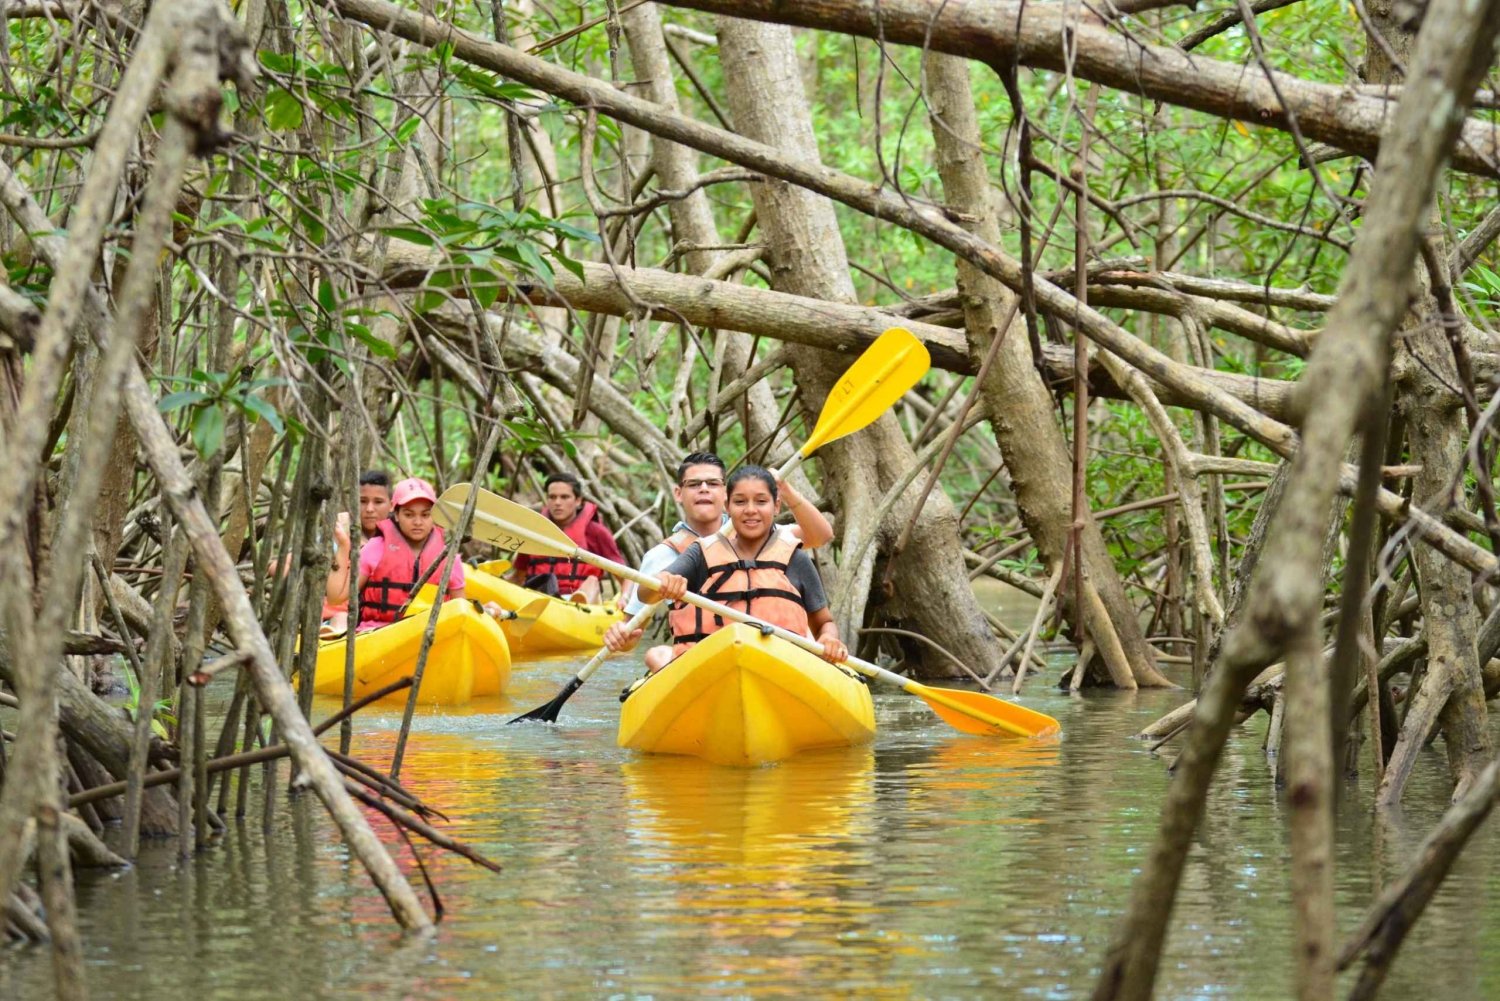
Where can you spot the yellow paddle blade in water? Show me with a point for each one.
(976, 712)
(526, 616)
(877, 379)
(495, 521)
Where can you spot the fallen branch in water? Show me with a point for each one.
(235, 760)
(404, 819)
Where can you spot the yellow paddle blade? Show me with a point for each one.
(877, 379)
(422, 602)
(496, 519)
(527, 615)
(976, 712)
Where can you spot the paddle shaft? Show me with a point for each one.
(636, 621)
(734, 615)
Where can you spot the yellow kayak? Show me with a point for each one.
(469, 657)
(561, 626)
(742, 698)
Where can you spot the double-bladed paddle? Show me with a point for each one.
(892, 364)
(548, 713)
(879, 377)
(512, 526)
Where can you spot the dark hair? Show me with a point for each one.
(699, 459)
(752, 473)
(567, 478)
(375, 478)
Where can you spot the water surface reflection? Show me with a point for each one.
(929, 864)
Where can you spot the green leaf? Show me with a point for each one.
(175, 401)
(208, 430)
(485, 286)
(408, 128)
(365, 336)
(276, 62)
(410, 234)
(326, 296)
(263, 409)
(283, 112)
(567, 262)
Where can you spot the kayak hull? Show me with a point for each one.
(742, 698)
(561, 627)
(469, 657)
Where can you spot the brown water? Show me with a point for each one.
(929, 864)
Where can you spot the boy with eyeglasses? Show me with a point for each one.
(701, 495)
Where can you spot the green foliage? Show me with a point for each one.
(213, 396)
(486, 248)
(163, 711)
(1483, 286)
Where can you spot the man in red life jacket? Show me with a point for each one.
(579, 520)
(407, 544)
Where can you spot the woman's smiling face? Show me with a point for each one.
(752, 508)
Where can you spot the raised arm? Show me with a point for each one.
(336, 591)
(814, 529)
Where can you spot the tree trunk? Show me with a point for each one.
(692, 217)
(1343, 378)
(1451, 694)
(807, 258)
(1020, 407)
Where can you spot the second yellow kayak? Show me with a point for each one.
(469, 657)
(561, 627)
(742, 698)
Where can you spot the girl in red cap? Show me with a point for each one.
(407, 544)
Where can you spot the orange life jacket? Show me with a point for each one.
(570, 573)
(679, 540)
(758, 586)
(389, 586)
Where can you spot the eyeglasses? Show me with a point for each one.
(713, 484)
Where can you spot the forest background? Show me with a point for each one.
(597, 236)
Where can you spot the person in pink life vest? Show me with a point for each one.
(579, 520)
(406, 544)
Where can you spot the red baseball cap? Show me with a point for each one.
(412, 489)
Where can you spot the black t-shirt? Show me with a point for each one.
(800, 571)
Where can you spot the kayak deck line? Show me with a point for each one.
(470, 657)
(743, 698)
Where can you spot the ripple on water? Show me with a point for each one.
(928, 864)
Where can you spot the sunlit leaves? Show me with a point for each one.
(282, 110)
(42, 110)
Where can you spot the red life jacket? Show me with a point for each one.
(569, 572)
(764, 591)
(389, 586)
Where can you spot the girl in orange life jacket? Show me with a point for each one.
(408, 543)
(374, 507)
(701, 494)
(755, 568)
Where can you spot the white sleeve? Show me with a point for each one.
(657, 559)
